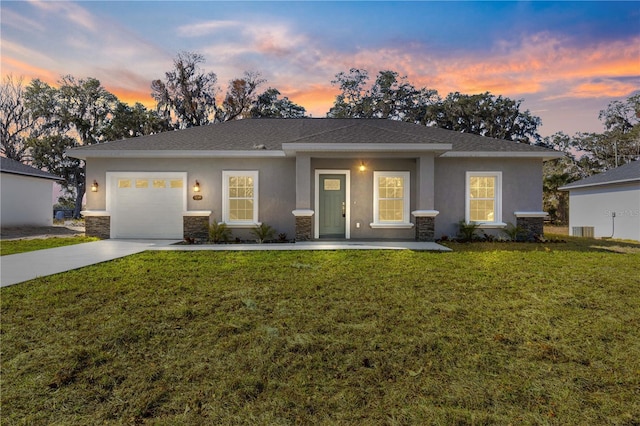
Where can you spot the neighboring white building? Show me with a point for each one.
(25, 195)
(607, 204)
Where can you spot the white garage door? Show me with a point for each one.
(147, 205)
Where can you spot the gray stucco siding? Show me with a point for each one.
(276, 185)
(521, 188)
(445, 192)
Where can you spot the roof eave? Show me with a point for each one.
(551, 155)
(33, 175)
(174, 154)
(293, 148)
(587, 185)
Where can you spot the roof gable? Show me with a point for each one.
(10, 166)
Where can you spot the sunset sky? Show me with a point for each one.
(567, 60)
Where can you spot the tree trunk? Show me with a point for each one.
(79, 196)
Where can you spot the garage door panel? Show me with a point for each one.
(147, 206)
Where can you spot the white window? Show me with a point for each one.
(391, 200)
(484, 198)
(240, 197)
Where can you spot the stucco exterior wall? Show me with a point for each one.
(594, 207)
(25, 200)
(442, 187)
(276, 185)
(521, 188)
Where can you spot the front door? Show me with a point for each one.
(332, 208)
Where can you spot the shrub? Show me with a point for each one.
(219, 232)
(263, 232)
(515, 233)
(467, 230)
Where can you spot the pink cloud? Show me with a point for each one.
(28, 71)
(71, 11)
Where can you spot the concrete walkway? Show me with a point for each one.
(17, 268)
(314, 245)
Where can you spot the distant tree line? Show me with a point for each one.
(587, 154)
(39, 122)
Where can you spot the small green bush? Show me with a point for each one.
(514, 233)
(263, 232)
(219, 232)
(467, 230)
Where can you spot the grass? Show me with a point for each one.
(25, 245)
(516, 334)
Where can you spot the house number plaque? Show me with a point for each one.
(197, 197)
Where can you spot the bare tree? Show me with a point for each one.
(16, 121)
(187, 96)
(241, 97)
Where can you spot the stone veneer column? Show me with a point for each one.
(425, 224)
(304, 224)
(531, 222)
(97, 226)
(196, 227)
(195, 224)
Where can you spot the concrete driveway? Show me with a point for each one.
(16, 268)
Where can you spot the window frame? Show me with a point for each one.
(406, 200)
(226, 174)
(497, 222)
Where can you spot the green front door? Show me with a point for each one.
(332, 200)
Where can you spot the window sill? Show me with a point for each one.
(391, 225)
(491, 225)
(242, 225)
(95, 213)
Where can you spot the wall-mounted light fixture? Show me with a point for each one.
(196, 187)
(362, 166)
(94, 186)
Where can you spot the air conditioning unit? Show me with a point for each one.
(583, 231)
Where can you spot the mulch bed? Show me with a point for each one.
(20, 232)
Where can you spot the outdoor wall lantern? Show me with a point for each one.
(196, 187)
(362, 166)
(94, 186)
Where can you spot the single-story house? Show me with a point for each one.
(26, 195)
(606, 204)
(312, 179)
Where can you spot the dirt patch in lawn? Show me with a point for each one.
(24, 232)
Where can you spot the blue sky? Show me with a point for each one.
(567, 60)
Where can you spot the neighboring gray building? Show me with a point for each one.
(312, 178)
(26, 195)
(606, 204)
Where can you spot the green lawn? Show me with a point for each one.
(512, 334)
(25, 245)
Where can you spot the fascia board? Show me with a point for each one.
(32, 175)
(175, 154)
(292, 148)
(587, 185)
(502, 154)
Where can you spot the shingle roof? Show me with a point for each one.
(627, 173)
(270, 134)
(8, 165)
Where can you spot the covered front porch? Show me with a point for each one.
(377, 194)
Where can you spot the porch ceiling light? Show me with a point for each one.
(362, 166)
(196, 187)
(94, 186)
